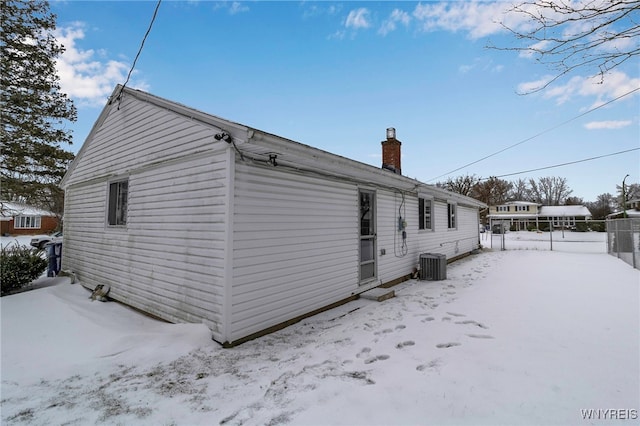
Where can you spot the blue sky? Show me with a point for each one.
(335, 75)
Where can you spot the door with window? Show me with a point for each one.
(367, 236)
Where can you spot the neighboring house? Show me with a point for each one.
(523, 215)
(564, 216)
(20, 219)
(633, 210)
(193, 218)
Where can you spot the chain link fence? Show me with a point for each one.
(623, 240)
(580, 236)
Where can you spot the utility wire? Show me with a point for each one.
(155, 13)
(565, 164)
(538, 134)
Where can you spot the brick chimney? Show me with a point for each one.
(391, 152)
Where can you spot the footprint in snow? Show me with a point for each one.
(403, 344)
(376, 358)
(476, 323)
(430, 365)
(456, 315)
(363, 351)
(447, 345)
(480, 336)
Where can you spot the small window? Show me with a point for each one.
(451, 213)
(424, 213)
(118, 196)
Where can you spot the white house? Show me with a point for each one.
(522, 215)
(193, 218)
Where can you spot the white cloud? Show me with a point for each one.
(358, 18)
(397, 16)
(463, 69)
(479, 19)
(613, 124)
(483, 64)
(615, 84)
(237, 7)
(88, 76)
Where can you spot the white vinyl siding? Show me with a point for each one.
(452, 242)
(295, 246)
(169, 259)
(134, 133)
(400, 255)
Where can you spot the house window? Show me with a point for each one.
(451, 214)
(26, 222)
(424, 213)
(118, 196)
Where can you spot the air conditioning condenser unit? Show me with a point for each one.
(433, 266)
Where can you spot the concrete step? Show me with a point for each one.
(378, 294)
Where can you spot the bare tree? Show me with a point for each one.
(461, 184)
(573, 201)
(520, 191)
(550, 191)
(492, 191)
(595, 35)
(604, 205)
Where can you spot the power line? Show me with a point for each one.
(155, 13)
(538, 134)
(565, 164)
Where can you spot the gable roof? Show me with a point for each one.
(12, 209)
(256, 145)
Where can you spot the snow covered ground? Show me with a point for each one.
(525, 336)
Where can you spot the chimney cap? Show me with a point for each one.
(391, 133)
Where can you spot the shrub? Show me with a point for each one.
(582, 227)
(19, 266)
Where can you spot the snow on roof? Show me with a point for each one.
(519, 203)
(11, 209)
(564, 211)
(620, 214)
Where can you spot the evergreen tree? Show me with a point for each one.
(34, 111)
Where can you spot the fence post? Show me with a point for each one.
(551, 234)
(616, 239)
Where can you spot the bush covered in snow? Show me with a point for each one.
(19, 266)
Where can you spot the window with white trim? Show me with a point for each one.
(451, 215)
(425, 207)
(118, 197)
(27, 222)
